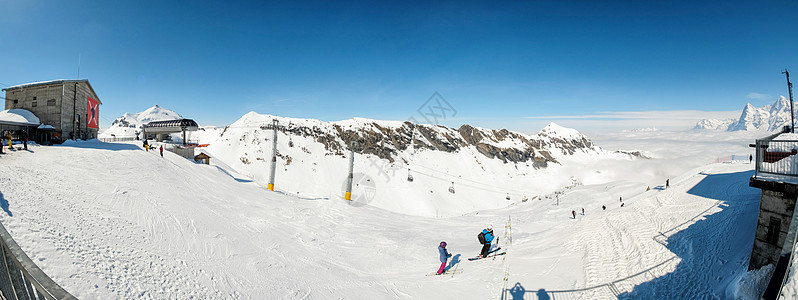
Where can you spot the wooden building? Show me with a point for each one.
(203, 157)
(69, 107)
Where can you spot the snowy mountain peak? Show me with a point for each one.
(554, 130)
(781, 103)
(128, 125)
(714, 124)
(157, 113)
(391, 140)
(771, 117)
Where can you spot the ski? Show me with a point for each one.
(492, 251)
(489, 256)
(447, 272)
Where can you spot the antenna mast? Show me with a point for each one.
(789, 88)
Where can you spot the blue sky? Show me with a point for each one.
(515, 64)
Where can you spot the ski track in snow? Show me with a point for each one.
(114, 221)
(629, 252)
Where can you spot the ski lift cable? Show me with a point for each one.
(490, 189)
(485, 185)
(464, 179)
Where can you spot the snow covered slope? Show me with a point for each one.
(129, 125)
(484, 166)
(111, 221)
(771, 117)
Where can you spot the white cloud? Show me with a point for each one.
(629, 120)
(758, 96)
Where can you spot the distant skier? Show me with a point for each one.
(750, 158)
(8, 137)
(444, 256)
(161, 150)
(667, 183)
(25, 140)
(583, 211)
(620, 199)
(603, 207)
(146, 146)
(574, 213)
(486, 238)
(621, 204)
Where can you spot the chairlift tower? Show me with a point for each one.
(350, 177)
(290, 139)
(274, 156)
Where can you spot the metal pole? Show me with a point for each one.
(348, 195)
(789, 88)
(274, 156)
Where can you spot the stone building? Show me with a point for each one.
(68, 109)
(776, 174)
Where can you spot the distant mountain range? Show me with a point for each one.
(129, 125)
(771, 117)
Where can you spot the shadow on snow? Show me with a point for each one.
(697, 269)
(95, 144)
(231, 175)
(4, 205)
(455, 260)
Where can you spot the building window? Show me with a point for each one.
(34, 97)
(15, 102)
(33, 104)
(51, 102)
(773, 230)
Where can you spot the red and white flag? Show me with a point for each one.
(93, 114)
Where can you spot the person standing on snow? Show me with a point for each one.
(750, 158)
(486, 237)
(444, 256)
(161, 150)
(146, 146)
(667, 183)
(8, 137)
(574, 213)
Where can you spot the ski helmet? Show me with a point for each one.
(490, 228)
(443, 244)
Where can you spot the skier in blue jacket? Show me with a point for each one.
(444, 256)
(487, 233)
